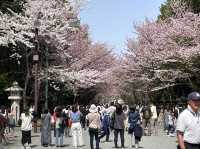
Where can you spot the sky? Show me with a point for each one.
(112, 21)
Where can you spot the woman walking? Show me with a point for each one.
(94, 125)
(161, 119)
(60, 126)
(166, 119)
(11, 123)
(26, 126)
(76, 129)
(118, 119)
(135, 129)
(46, 128)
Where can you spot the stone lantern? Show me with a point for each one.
(15, 97)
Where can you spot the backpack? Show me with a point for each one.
(147, 114)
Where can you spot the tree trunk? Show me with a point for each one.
(26, 81)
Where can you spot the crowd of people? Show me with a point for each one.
(7, 125)
(99, 120)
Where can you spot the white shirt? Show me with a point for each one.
(58, 122)
(170, 119)
(26, 122)
(189, 123)
(154, 112)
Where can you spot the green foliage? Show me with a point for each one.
(184, 41)
(61, 96)
(4, 83)
(165, 11)
(195, 4)
(14, 5)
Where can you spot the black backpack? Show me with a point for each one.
(146, 113)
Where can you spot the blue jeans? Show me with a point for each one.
(59, 137)
(105, 132)
(94, 132)
(170, 129)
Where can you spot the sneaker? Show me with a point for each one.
(25, 145)
(172, 135)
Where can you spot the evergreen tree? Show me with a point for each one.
(195, 5)
(167, 11)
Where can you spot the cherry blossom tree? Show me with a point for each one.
(164, 53)
(54, 25)
(55, 22)
(89, 67)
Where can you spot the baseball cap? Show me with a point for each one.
(194, 96)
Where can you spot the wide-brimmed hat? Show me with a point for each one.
(93, 108)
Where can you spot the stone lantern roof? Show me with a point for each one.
(14, 87)
(14, 90)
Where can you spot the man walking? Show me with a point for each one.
(146, 117)
(188, 124)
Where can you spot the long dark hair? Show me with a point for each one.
(74, 108)
(46, 111)
(119, 109)
(26, 111)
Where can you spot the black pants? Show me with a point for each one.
(93, 132)
(83, 122)
(190, 146)
(121, 132)
(170, 129)
(137, 139)
(26, 137)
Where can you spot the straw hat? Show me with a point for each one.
(93, 108)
